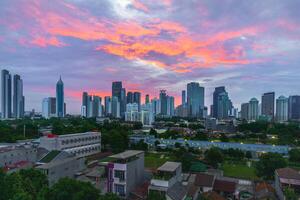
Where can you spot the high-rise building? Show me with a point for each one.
(267, 104)
(132, 112)
(170, 106)
(97, 106)
(18, 98)
(147, 115)
(155, 106)
(244, 111)
(137, 99)
(84, 107)
(253, 109)
(217, 92)
(224, 105)
(147, 99)
(5, 94)
(115, 107)
(282, 109)
(163, 102)
(183, 97)
(195, 99)
(117, 89)
(294, 107)
(123, 102)
(129, 98)
(60, 107)
(107, 105)
(49, 107)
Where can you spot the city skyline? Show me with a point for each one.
(150, 47)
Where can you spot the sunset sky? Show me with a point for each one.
(251, 47)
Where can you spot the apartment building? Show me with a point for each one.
(78, 144)
(125, 172)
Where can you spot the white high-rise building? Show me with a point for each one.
(49, 107)
(132, 112)
(147, 115)
(282, 105)
(253, 109)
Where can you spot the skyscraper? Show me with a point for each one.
(170, 106)
(97, 106)
(224, 105)
(282, 108)
(84, 107)
(294, 107)
(245, 111)
(60, 98)
(183, 97)
(147, 99)
(49, 107)
(123, 102)
(107, 105)
(129, 97)
(5, 94)
(195, 99)
(18, 98)
(218, 90)
(117, 98)
(137, 99)
(163, 102)
(253, 109)
(267, 104)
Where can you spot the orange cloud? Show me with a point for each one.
(140, 6)
(43, 42)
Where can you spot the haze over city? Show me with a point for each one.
(251, 47)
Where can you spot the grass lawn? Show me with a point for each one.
(239, 171)
(154, 160)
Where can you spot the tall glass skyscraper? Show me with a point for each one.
(267, 104)
(18, 98)
(60, 98)
(217, 92)
(5, 94)
(195, 99)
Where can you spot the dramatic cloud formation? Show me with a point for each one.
(250, 47)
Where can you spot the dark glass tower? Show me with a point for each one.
(217, 92)
(60, 98)
(5, 94)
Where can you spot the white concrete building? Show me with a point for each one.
(282, 106)
(79, 144)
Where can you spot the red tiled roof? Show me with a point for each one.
(213, 196)
(224, 186)
(288, 173)
(205, 180)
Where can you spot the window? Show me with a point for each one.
(119, 189)
(120, 174)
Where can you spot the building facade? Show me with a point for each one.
(267, 104)
(79, 144)
(60, 106)
(282, 109)
(6, 94)
(195, 99)
(253, 109)
(18, 98)
(294, 108)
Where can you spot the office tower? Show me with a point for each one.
(5, 94)
(60, 108)
(224, 105)
(132, 112)
(244, 111)
(84, 107)
(117, 89)
(294, 107)
(147, 115)
(49, 107)
(129, 98)
(115, 107)
(18, 98)
(195, 99)
(97, 107)
(211, 110)
(218, 90)
(282, 109)
(46, 108)
(90, 106)
(163, 102)
(147, 100)
(155, 106)
(170, 106)
(253, 109)
(123, 102)
(267, 104)
(137, 99)
(183, 97)
(107, 105)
